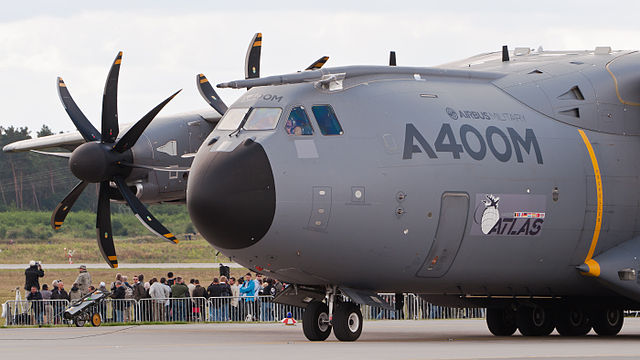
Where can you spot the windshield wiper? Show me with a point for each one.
(236, 132)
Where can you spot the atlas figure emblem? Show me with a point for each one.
(491, 215)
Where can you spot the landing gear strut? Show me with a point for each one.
(345, 318)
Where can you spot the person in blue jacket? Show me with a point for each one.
(247, 292)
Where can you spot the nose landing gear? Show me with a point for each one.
(345, 318)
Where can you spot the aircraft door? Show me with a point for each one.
(454, 210)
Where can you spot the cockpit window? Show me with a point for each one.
(298, 122)
(263, 119)
(232, 119)
(327, 120)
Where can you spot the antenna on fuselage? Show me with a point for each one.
(392, 58)
(505, 53)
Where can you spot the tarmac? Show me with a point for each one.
(388, 339)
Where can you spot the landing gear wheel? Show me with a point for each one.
(79, 321)
(607, 321)
(347, 322)
(315, 321)
(501, 321)
(534, 321)
(96, 319)
(572, 321)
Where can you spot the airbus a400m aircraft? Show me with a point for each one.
(506, 180)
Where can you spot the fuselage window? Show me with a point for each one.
(298, 122)
(327, 120)
(263, 119)
(232, 119)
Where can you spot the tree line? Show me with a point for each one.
(30, 181)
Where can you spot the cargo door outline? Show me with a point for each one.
(320, 209)
(452, 224)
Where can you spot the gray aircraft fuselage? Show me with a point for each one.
(481, 177)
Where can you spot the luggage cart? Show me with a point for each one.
(86, 309)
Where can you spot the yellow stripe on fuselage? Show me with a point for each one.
(596, 172)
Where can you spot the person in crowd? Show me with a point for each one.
(113, 284)
(58, 295)
(191, 286)
(170, 279)
(214, 293)
(199, 296)
(83, 280)
(179, 296)
(32, 275)
(125, 281)
(267, 292)
(159, 293)
(75, 293)
(92, 289)
(139, 293)
(399, 302)
(103, 287)
(168, 309)
(235, 293)
(118, 294)
(247, 293)
(225, 292)
(48, 309)
(37, 308)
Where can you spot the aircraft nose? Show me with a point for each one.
(231, 196)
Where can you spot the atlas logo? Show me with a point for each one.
(517, 227)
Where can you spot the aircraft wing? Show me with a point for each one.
(67, 141)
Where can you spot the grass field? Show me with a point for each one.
(146, 249)
(10, 279)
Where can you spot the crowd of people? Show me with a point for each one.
(170, 298)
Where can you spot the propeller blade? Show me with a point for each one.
(65, 155)
(86, 129)
(110, 103)
(103, 226)
(63, 208)
(318, 63)
(142, 213)
(252, 60)
(133, 134)
(210, 95)
(392, 58)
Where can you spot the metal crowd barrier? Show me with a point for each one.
(39, 312)
(219, 309)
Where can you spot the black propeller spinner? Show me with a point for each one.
(102, 160)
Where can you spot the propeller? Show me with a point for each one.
(318, 63)
(251, 71)
(106, 159)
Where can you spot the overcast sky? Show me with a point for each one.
(165, 45)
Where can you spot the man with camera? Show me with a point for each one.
(32, 275)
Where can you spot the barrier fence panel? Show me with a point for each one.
(218, 309)
(37, 312)
(172, 310)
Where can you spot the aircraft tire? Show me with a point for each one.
(607, 321)
(501, 321)
(315, 321)
(347, 322)
(534, 321)
(572, 321)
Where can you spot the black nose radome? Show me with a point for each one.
(231, 195)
